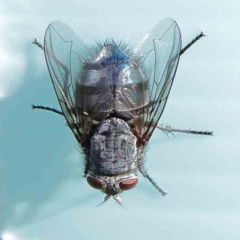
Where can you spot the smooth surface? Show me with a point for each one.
(43, 193)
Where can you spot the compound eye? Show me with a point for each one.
(128, 184)
(93, 182)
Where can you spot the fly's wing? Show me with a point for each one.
(64, 60)
(159, 52)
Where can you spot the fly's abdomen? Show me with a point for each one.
(112, 84)
(113, 148)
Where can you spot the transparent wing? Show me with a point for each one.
(64, 61)
(160, 52)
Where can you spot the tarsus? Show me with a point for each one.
(192, 42)
(167, 129)
(47, 108)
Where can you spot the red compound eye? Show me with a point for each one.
(128, 184)
(93, 182)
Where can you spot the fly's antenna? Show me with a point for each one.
(105, 199)
(119, 200)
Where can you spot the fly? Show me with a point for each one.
(113, 97)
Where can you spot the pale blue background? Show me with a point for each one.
(43, 193)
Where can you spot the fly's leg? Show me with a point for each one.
(37, 106)
(167, 129)
(38, 44)
(87, 168)
(192, 42)
(66, 73)
(47, 108)
(143, 171)
(64, 68)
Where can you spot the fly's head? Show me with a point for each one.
(112, 185)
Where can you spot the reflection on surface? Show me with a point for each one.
(7, 236)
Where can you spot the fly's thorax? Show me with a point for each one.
(112, 185)
(113, 148)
